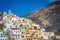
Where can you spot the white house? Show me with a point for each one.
(42, 30)
(26, 21)
(45, 36)
(1, 32)
(16, 32)
(21, 39)
(3, 38)
(6, 26)
(14, 18)
(51, 34)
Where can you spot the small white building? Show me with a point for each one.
(51, 34)
(3, 38)
(20, 39)
(14, 18)
(45, 36)
(42, 30)
(26, 21)
(6, 26)
(1, 32)
(15, 32)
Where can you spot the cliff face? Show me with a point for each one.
(47, 17)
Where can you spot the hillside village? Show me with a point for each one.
(13, 27)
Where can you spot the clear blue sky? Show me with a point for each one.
(22, 7)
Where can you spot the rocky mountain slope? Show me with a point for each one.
(47, 17)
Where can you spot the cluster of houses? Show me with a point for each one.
(13, 27)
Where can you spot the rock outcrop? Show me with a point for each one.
(47, 17)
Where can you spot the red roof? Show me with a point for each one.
(14, 16)
(15, 29)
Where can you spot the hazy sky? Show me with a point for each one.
(22, 7)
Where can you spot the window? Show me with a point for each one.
(35, 28)
(10, 26)
(6, 39)
(1, 39)
(1, 34)
(13, 21)
(21, 25)
(14, 31)
(24, 20)
(18, 36)
(4, 26)
(16, 26)
(22, 36)
(18, 31)
(22, 32)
